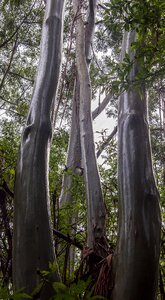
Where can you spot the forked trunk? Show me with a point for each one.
(33, 246)
(136, 260)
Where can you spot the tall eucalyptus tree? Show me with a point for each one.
(95, 203)
(135, 266)
(75, 161)
(33, 246)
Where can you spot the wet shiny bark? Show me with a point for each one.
(33, 246)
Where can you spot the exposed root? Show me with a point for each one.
(103, 281)
(99, 269)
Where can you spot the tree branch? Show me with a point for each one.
(18, 27)
(102, 6)
(21, 76)
(7, 190)
(106, 142)
(9, 65)
(68, 239)
(98, 110)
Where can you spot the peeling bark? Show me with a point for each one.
(135, 265)
(33, 246)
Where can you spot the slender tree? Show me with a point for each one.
(135, 265)
(73, 166)
(95, 203)
(74, 150)
(33, 246)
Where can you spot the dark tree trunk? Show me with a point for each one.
(33, 246)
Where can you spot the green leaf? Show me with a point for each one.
(59, 286)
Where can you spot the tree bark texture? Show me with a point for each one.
(95, 204)
(135, 265)
(33, 246)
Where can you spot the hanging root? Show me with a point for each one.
(103, 281)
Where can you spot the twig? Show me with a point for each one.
(102, 6)
(21, 76)
(68, 239)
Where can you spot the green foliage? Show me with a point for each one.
(18, 295)
(12, 3)
(147, 18)
(57, 160)
(76, 291)
(9, 143)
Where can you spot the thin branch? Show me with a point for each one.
(7, 190)
(7, 101)
(102, 6)
(18, 27)
(12, 111)
(17, 100)
(106, 142)
(68, 239)
(96, 61)
(21, 76)
(9, 65)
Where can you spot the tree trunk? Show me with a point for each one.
(33, 246)
(95, 204)
(73, 167)
(74, 150)
(135, 266)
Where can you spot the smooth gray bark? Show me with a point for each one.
(95, 204)
(135, 266)
(74, 150)
(33, 246)
(74, 160)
